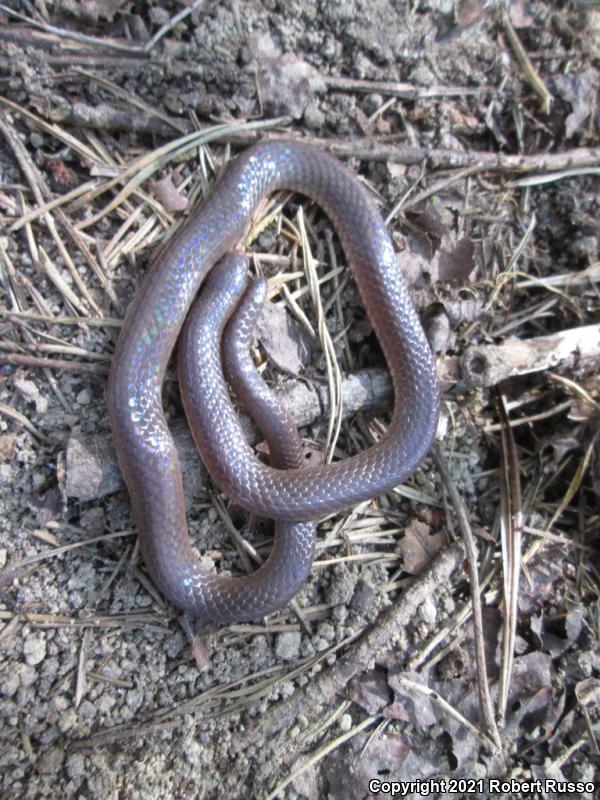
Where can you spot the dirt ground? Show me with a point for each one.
(477, 127)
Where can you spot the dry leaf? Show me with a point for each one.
(168, 194)
(370, 690)
(579, 91)
(412, 707)
(418, 547)
(453, 262)
(285, 342)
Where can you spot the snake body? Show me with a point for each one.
(144, 445)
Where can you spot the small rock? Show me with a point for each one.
(84, 397)
(313, 117)
(6, 473)
(88, 710)
(27, 676)
(134, 698)
(34, 649)
(10, 683)
(76, 766)
(67, 720)
(287, 646)
(345, 723)
(326, 631)
(31, 392)
(372, 103)
(428, 611)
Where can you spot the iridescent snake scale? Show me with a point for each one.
(145, 448)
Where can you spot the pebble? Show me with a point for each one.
(67, 720)
(287, 645)
(345, 723)
(87, 710)
(326, 631)
(34, 649)
(27, 676)
(159, 15)
(84, 397)
(76, 766)
(428, 611)
(313, 117)
(134, 699)
(10, 683)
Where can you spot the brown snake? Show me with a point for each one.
(145, 448)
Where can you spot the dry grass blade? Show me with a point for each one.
(531, 74)
(146, 165)
(334, 375)
(511, 523)
(103, 42)
(552, 177)
(22, 420)
(50, 205)
(13, 571)
(164, 29)
(510, 273)
(414, 687)
(576, 480)
(576, 389)
(483, 688)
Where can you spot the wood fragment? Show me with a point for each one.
(405, 91)
(576, 348)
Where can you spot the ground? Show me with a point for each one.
(477, 127)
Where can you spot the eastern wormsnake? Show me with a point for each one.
(144, 445)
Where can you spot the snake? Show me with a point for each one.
(285, 492)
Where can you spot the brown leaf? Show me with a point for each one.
(370, 690)
(286, 343)
(539, 587)
(393, 756)
(520, 16)
(454, 262)
(168, 194)
(412, 707)
(579, 91)
(418, 547)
